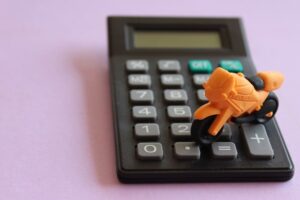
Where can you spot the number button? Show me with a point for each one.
(137, 66)
(144, 113)
(150, 151)
(181, 130)
(139, 81)
(147, 131)
(141, 96)
(175, 96)
(201, 95)
(199, 79)
(172, 81)
(226, 133)
(168, 66)
(178, 113)
(187, 150)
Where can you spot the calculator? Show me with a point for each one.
(157, 68)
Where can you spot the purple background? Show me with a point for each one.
(56, 138)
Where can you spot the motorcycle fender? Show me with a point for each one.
(205, 111)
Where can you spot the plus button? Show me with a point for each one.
(257, 138)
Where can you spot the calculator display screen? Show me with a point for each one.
(177, 39)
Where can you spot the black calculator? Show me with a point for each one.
(157, 68)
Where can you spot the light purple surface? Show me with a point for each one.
(56, 138)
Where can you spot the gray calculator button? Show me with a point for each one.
(150, 151)
(187, 150)
(257, 141)
(147, 131)
(199, 79)
(172, 80)
(137, 66)
(175, 96)
(201, 95)
(224, 150)
(169, 66)
(178, 113)
(226, 133)
(181, 130)
(139, 81)
(144, 113)
(141, 96)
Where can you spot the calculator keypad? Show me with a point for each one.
(147, 126)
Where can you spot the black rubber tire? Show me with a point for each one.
(199, 131)
(270, 105)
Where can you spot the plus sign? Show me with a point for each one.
(257, 138)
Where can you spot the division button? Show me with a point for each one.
(181, 130)
(141, 96)
(201, 95)
(187, 150)
(150, 151)
(172, 80)
(168, 66)
(175, 96)
(199, 79)
(139, 81)
(146, 131)
(144, 113)
(179, 113)
(257, 141)
(224, 150)
(137, 66)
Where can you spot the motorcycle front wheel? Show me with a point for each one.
(199, 131)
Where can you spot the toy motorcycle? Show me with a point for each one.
(234, 97)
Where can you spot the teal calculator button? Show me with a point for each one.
(232, 65)
(200, 66)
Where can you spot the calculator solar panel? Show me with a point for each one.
(155, 91)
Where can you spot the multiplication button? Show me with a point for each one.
(150, 151)
(136, 66)
(257, 141)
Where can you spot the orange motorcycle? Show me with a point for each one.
(233, 97)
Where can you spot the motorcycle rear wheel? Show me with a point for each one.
(199, 131)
